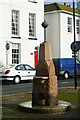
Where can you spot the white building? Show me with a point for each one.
(20, 26)
(60, 32)
(78, 4)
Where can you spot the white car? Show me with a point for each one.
(17, 72)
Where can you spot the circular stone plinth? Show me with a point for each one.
(60, 108)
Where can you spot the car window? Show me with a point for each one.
(20, 67)
(77, 61)
(27, 67)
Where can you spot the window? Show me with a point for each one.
(32, 25)
(69, 22)
(78, 26)
(15, 23)
(15, 53)
(20, 67)
(27, 67)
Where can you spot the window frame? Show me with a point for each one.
(16, 23)
(77, 26)
(15, 53)
(33, 26)
(69, 25)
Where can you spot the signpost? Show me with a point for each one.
(74, 47)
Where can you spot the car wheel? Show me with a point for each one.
(66, 75)
(16, 79)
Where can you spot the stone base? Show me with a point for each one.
(60, 108)
(45, 91)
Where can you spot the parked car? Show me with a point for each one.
(65, 67)
(17, 72)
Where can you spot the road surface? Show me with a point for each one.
(27, 86)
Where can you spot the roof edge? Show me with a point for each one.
(61, 11)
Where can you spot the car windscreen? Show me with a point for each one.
(8, 66)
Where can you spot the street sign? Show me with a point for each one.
(7, 46)
(75, 46)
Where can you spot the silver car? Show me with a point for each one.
(17, 72)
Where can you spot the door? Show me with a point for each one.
(35, 58)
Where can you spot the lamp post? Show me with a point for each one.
(45, 25)
(75, 71)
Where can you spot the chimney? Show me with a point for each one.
(65, 4)
(69, 5)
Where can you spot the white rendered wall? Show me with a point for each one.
(27, 46)
(53, 33)
(66, 37)
(58, 36)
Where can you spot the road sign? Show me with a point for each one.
(75, 46)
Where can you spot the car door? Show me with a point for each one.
(21, 71)
(30, 72)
